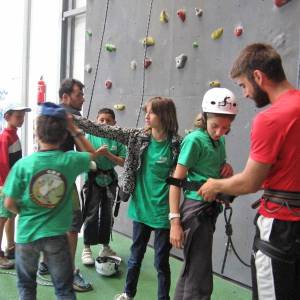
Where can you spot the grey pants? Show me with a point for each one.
(196, 279)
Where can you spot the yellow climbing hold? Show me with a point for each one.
(149, 41)
(215, 83)
(119, 106)
(217, 33)
(163, 17)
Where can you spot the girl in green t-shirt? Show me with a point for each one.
(202, 156)
(152, 154)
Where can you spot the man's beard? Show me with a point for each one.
(260, 97)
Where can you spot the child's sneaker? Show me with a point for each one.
(10, 252)
(43, 269)
(79, 284)
(123, 296)
(107, 251)
(5, 263)
(87, 257)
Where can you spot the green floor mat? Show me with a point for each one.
(106, 288)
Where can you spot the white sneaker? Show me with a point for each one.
(123, 296)
(107, 251)
(87, 257)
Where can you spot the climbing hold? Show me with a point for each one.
(133, 65)
(280, 3)
(163, 17)
(181, 60)
(195, 45)
(110, 47)
(88, 68)
(119, 106)
(108, 84)
(89, 33)
(217, 33)
(149, 41)
(238, 30)
(215, 83)
(198, 12)
(147, 62)
(181, 14)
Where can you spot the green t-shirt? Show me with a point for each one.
(103, 162)
(42, 184)
(202, 158)
(150, 200)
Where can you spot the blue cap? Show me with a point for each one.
(53, 110)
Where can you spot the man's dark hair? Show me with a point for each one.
(261, 57)
(51, 130)
(107, 111)
(66, 86)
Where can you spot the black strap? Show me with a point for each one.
(195, 186)
(184, 184)
(283, 198)
(275, 253)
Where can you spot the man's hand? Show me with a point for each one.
(209, 190)
(176, 234)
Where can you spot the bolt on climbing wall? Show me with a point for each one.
(179, 49)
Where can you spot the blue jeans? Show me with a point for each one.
(57, 252)
(162, 246)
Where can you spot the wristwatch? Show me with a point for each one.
(173, 216)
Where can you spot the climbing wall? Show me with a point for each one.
(190, 47)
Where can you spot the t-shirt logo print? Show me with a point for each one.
(48, 188)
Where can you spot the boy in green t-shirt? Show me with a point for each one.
(100, 191)
(38, 189)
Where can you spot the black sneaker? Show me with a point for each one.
(43, 269)
(79, 284)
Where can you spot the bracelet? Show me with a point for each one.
(77, 134)
(173, 216)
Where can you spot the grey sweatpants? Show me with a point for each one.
(196, 279)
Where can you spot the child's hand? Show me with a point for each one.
(70, 124)
(103, 150)
(226, 171)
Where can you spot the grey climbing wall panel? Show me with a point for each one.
(125, 24)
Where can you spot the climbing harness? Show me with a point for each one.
(225, 199)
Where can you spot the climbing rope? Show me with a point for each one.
(98, 59)
(229, 231)
(145, 54)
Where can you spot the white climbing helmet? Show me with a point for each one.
(107, 265)
(219, 101)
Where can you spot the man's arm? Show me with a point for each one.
(248, 181)
(10, 204)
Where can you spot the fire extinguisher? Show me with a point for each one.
(41, 96)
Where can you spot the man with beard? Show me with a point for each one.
(273, 164)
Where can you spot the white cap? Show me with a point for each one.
(219, 101)
(10, 105)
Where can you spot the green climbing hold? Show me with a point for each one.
(110, 47)
(195, 45)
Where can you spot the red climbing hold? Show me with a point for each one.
(280, 3)
(108, 84)
(238, 30)
(147, 62)
(181, 14)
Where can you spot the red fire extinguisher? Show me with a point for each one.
(41, 96)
